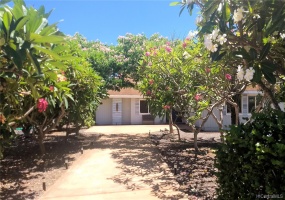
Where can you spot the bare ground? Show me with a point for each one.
(23, 171)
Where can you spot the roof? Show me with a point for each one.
(135, 93)
(125, 91)
(250, 87)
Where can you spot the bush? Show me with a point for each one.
(251, 162)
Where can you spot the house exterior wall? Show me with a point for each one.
(104, 112)
(211, 124)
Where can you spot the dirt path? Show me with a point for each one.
(136, 164)
(120, 166)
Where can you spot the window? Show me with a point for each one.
(251, 103)
(144, 109)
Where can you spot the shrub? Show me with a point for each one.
(251, 162)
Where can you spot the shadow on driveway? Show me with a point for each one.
(141, 165)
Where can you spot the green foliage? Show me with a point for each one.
(252, 159)
(85, 84)
(255, 37)
(27, 67)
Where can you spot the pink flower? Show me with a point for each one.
(228, 77)
(168, 43)
(197, 97)
(147, 53)
(151, 82)
(184, 45)
(168, 49)
(148, 93)
(166, 107)
(42, 105)
(208, 70)
(51, 88)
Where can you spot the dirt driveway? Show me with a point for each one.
(128, 129)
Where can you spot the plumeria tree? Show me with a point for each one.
(85, 83)
(251, 34)
(180, 76)
(27, 42)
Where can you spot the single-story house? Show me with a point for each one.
(126, 106)
(248, 102)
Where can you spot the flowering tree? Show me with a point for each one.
(249, 33)
(180, 76)
(84, 83)
(28, 66)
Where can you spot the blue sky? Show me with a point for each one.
(106, 20)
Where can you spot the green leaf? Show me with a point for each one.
(70, 96)
(7, 110)
(21, 22)
(219, 57)
(253, 53)
(210, 8)
(174, 3)
(269, 77)
(65, 102)
(242, 53)
(2, 42)
(7, 19)
(268, 67)
(59, 65)
(260, 24)
(226, 11)
(48, 14)
(264, 51)
(207, 28)
(249, 7)
(182, 8)
(257, 74)
(48, 52)
(36, 38)
(17, 11)
(16, 58)
(48, 30)
(222, 26)
(34, 61)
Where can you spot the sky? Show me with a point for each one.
(105, 20)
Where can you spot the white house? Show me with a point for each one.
(247, 103)
(126, 106)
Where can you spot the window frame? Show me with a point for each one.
(140, 107)
(255, 101)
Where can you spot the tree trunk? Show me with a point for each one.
(77, 128)
(41, 142)
(270, 94)
(220, 124)
(195, 140)
(170, 122)
(234, 111)
(178, 132)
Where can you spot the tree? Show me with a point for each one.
(254, 37)
(85, 83)
(27, 43)
(180, 76)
